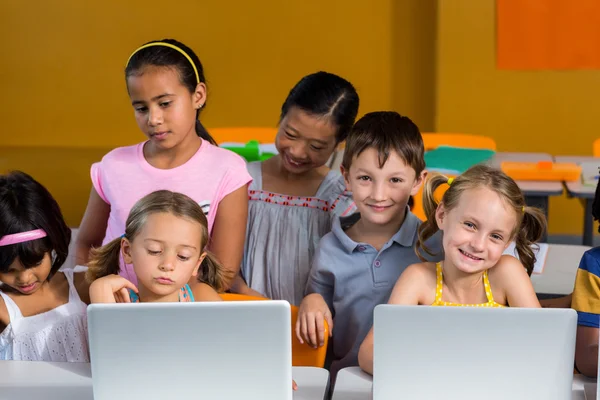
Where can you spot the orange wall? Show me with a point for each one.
(62, 61)
(62, 68)
(413, 51)
(539, 111)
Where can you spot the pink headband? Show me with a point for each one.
(22, 237)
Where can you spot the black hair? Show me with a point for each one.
(26, 205)
(163, 56)
(325, 95)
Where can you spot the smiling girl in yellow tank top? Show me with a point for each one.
(480, 214)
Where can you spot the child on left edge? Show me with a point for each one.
(42, 309)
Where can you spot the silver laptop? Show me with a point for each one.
(220, 350)
(465, 353)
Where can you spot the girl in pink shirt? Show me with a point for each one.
(167, 88)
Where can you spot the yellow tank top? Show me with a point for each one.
(440, 284)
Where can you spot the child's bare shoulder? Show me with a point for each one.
(204, 292)
(424, 270)
(421, 274)
(506, 268)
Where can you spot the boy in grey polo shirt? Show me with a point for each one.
(357, 264)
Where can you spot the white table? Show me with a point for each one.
(558, 276)
(21, 380)
(586, 193)
(353, 384)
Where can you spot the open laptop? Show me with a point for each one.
(220, 350)
(465, 353)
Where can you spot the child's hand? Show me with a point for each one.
(111, 289)
(309, 325)
(294, 385)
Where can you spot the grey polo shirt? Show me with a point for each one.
(354, 277)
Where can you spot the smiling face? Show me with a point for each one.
(304, 141)
(165, 254)
(381, 193)
(477, 230)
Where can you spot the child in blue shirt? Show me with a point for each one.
(358, 262)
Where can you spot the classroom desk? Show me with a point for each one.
(536, 192)
(585, 193)
(353, 384)
(559, 271)
(59, 381)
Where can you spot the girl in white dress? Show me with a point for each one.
(294, 196)
(42, 310)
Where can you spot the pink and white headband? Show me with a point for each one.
(22, 237)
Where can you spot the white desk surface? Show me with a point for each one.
(59, 381)
(530, 188)
(577, 188)
(354, 384)
(558, 276)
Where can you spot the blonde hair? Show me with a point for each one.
(531, 222)
(105, 260)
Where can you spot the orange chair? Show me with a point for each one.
(302, 354)
(596, 147)
(243, 134)
(435, 140)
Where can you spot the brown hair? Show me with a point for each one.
(386, 131)
(531, 222)
(105, 260)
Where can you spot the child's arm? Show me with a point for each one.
(510, 275)
(92, 227)
(407, 291)
(317, 306)
(313, 311)
(558, 302)
(586, 301)
(229, 231)
(586, 351)
(204, 292)
(82, 286)
(111, 289)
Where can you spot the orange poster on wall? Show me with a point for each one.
(548, 34)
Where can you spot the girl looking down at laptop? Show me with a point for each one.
(165, 240)
(479, 215)
(42, 310)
